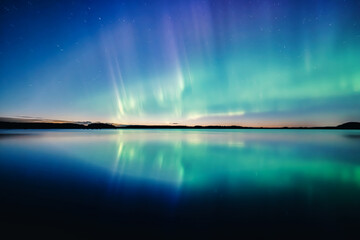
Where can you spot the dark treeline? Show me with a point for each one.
(42, 125)
(37, 125)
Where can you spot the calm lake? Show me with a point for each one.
(81, 183)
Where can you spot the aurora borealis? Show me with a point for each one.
(258, 63)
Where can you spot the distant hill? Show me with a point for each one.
(349, 125)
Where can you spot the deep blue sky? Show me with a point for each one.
(195, 62)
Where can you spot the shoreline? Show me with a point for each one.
(92, 126)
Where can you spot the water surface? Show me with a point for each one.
(82, 183)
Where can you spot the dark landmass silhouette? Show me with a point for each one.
(349, 125)
(100, 126)
(40, 125)
(45, 125)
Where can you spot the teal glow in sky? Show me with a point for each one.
(268, 63)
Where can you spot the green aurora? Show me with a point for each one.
(252, 63)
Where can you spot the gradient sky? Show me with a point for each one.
(248, 62)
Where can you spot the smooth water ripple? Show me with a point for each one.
(177, 179)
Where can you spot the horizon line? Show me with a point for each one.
(19, 122)
(295, 124)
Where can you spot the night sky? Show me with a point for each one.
(255, 63)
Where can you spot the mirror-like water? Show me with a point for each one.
(223, 181)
